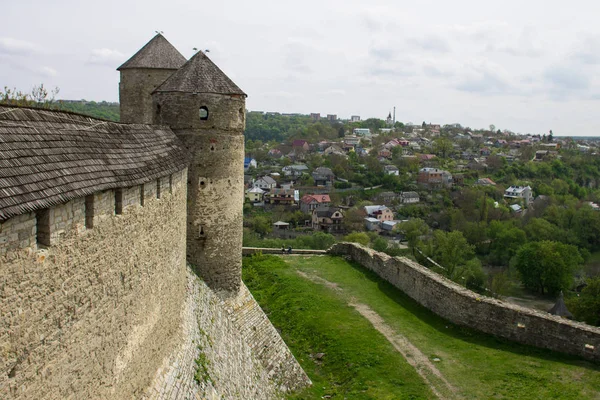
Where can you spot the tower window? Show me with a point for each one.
(203, 113)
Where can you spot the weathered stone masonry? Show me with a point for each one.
(464, 307)
(95, 312)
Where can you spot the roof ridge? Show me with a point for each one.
(158, 53)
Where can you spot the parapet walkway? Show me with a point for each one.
(246, 251)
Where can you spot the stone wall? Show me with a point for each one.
(240, 353)
(464, 307)
(96, 313)
(17, 232)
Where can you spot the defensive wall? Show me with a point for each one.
(464, 307)
(91, 292)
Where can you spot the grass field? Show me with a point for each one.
(318, 303)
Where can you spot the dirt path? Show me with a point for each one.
(419, 361)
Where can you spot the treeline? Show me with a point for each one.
(102, 109)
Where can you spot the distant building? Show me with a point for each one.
(352, 140)
(255, 194)
(409, 197)
(485, 182)
(518, 193)
(284, 197)
(362, 132)
(391, 170)
(332, 117)
(323, 176)
(310, 202)
(294, 170)
(266, 182)
(249, 162)
(300, 144)
(328, 219)
(379, 212)
(434, 177)
(315, 116)
(355, 118)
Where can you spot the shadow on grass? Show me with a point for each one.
(465, 333)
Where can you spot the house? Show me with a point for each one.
(391, 170)
(515, 208)
(300, 144)
(388, 226)
(372, 224)
(283, 197)
(323, 176)
(249, 162)
(409, 197)
(426, 157)
(485, 182)
(328, 219)
(485, 151)
(280, 225)
(255, 194)
(334, 150)
(294, 170)
(477, 164)
(265, 182)
(388, 197)
(385, 153)
(275, 153)
(362, 132)
(458, 179)
(309, 202)
(519, 193)
(355, 118)
(352, 140)
(434, 177)
(379, 212)
(594, 206)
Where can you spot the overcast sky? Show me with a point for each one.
(527, 65)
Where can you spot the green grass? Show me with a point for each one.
(312, 317)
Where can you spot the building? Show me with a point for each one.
(315, 116)
(379, 212)
(255, 194)
(328, 219)
(124, 243)
(265, 182)
(309, 202)
(519, 193)
(323, 176)
(362, 132)
(434, 177)
(300, 144)
(485, 182)
(409, 197)
(391, 170)
(352, 140)
(332, 117)
(282, 197)
(355, 118)
(295, 170)
(249, 162)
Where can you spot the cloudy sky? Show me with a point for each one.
(527, 66)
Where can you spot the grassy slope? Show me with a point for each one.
(480, 366)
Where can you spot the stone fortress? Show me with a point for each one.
(100, 225)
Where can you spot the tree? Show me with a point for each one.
(492, 127)
(38, 97)
(358, 237)
(586, 307)
(452, 251)
(413, 230)
(505, 240)
(547, 266)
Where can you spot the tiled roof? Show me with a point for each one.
(158, 53)
(50, 157)
(200, 75)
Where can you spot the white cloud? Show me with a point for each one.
(13, 46)
(105, 57)
(46, 71)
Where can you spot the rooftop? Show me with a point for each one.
(158, 53)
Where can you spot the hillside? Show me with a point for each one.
(345, 325)
(103, 109)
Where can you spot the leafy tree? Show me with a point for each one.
(380, 244)
(261, 225)
(452, 251)
(358, 237)
(505, 240)
(586, 307)
(547, 266)
(413, 229)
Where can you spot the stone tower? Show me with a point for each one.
(207, 111)
(141, 74)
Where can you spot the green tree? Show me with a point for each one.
(380, 244)
(586, 306)
(547, 266)
(505, 240)
(358, 237)
(413, 229)
(452, 251)
(261, 225)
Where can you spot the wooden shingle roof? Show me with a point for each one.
(158, 53)
(200, 75)
(50, 157)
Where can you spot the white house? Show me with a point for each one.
(266, 182)
(391, 170)
(519, 192)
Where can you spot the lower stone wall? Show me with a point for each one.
(464, 307)
(239, 352)
(95, 314)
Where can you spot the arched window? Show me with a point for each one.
(203, 113)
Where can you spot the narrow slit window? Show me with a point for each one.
(43, 227)
(142, 195)
(119, 201)
(158, 188)
(89, 211)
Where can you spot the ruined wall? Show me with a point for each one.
(464, 307)
(95, 314)
(135, 91)
(215, 180)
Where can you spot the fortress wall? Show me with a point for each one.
(464, 307)
(95, 314)
(241, 354)
(134, 93)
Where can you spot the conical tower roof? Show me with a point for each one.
(560, 308)
(158, 53)
(200, 75)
